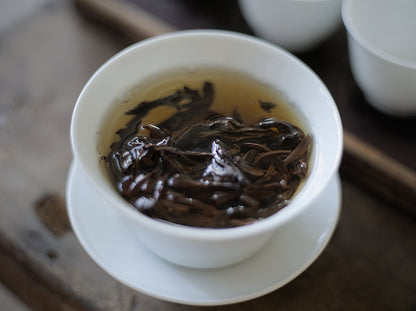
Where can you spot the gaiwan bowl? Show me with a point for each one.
(202, 247)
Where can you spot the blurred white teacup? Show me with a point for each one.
(382, 50)
(296, 25)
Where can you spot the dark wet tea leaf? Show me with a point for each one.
(205, 169)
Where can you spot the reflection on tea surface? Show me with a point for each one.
(206, 148)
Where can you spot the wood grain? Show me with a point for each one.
(370, 263)
(51, 210)
(128, 19)
(381, 174)
(24, 280)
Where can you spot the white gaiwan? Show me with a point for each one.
(198, 247)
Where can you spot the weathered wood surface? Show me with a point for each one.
(370, 264)
(9, 301)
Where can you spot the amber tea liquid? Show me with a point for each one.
(233, 90)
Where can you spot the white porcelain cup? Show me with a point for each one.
(189, 246)
(382, 50)
(296, 25)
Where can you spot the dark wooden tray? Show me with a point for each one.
(369, 264)
(380, 151)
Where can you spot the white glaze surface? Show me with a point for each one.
(382, 50)
(296, 25)
(197, 247)
(114, 248)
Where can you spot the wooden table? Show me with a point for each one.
(370, 263)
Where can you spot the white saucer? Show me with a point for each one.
(292, 249)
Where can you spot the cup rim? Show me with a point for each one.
(203, 234)
(347, 13)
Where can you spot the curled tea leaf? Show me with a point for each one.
(204, 169)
